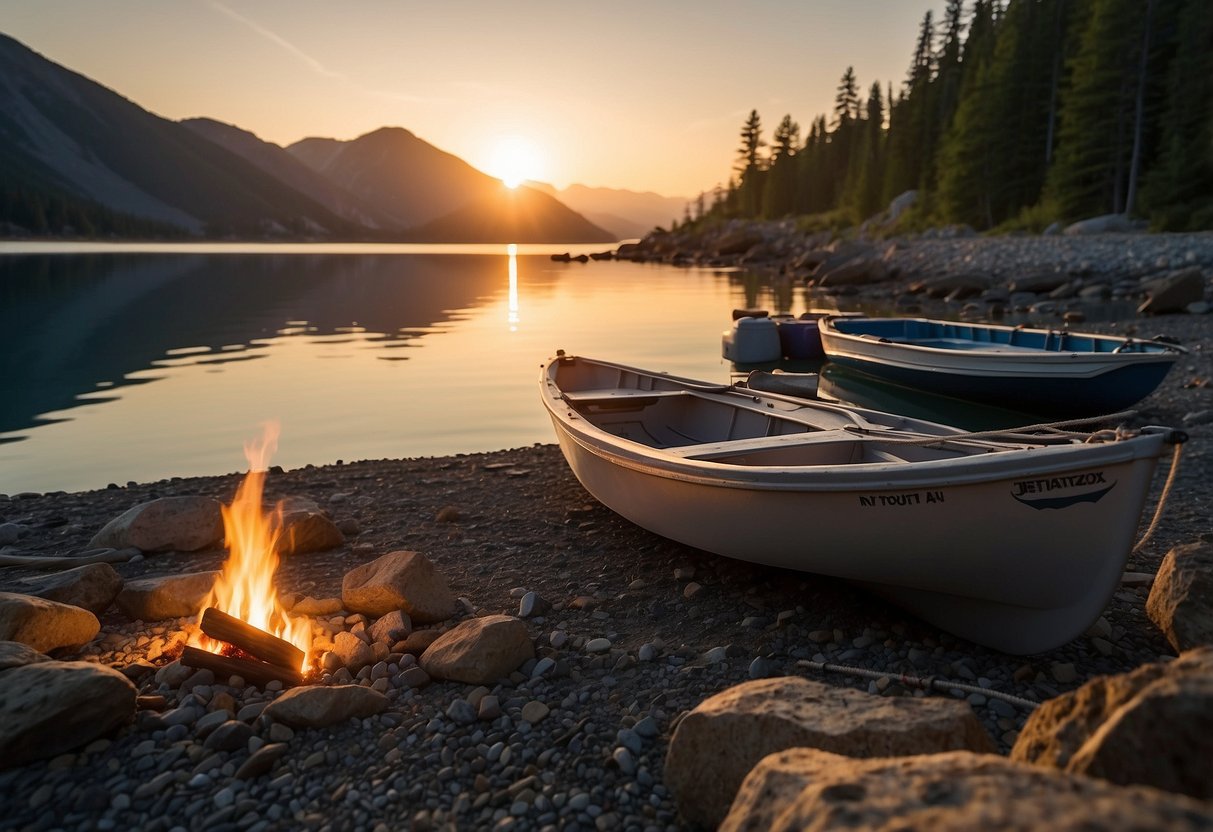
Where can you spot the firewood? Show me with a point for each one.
(256, 642)
(57, 563)
(252, 671)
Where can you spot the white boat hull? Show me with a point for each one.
(1018, 550)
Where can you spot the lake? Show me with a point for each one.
(142, 362)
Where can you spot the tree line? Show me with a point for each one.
(1011, 116)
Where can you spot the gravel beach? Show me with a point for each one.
(679, 625)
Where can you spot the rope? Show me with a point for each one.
(1162, 499)
(930, 683)
(1027, 433)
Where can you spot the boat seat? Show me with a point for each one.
(731, 447)
(611, 395)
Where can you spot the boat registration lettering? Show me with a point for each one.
(1056, 483)
(913, 498)
(1059, 492)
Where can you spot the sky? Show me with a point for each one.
(648, 95)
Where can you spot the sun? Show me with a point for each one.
(514, 160)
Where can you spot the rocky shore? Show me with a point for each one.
(645, 679)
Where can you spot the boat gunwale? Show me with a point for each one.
(1015, 463)
(1163, 352)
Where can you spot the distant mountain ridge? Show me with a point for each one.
(78, 159)
(66, 138)
(626, 213)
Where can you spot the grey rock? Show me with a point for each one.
(44, 625)
(717, 743)
(479, 650)
(184, 524)
(399, 580)
(1181, 599)
(93, 587)
(168, 596)
(48, 708)
(318, 707)
(806, 788)
(17, 654)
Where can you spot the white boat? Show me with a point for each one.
(1015, 542)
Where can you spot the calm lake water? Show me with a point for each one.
(140, 362)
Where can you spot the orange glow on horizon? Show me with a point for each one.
(514, 160)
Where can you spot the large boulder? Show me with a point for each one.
(1105, 224)
(859, 270)
(805, 788)
(93, 587)
(1153, 726)
(1173, 292)
(1181, 599)
(48, 708)
(479, 651)
(169, 596)
(45, 625)
(738, 241)
(399, 581)
(717, 743)
(319, 706)
(184, 524)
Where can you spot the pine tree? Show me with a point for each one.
(1113, 66)
(749, 189)
(779, 194)
(1178, 191)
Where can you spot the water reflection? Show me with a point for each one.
(72, 325)
(512, 304)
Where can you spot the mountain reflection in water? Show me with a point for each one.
(147, 365)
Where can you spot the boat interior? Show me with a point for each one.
(722, 425)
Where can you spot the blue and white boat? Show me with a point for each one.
(1043, 371)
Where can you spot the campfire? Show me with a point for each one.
(243, 629)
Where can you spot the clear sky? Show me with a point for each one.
(639, 94)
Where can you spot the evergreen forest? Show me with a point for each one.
(1011, 116)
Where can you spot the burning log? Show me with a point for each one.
(256, 642)
(251, 670)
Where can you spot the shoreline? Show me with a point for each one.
(682, 625)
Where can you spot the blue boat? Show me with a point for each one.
(1044, 371)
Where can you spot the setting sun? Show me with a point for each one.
(514, 160)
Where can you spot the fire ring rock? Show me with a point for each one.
(184, 524)
(48, 708)
(318, 706)
(479, 651)
(170, 596)
(44, 625)
(93, 587)
(400, 580)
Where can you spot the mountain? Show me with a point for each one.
(283, 166)
(625, 213)
(521, 215)
(78, 159)
(438, 195)
(69, 144)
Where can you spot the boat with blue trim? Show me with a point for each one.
(1044, 371)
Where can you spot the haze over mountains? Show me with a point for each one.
(78, 159)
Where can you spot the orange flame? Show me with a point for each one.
(245, 587)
